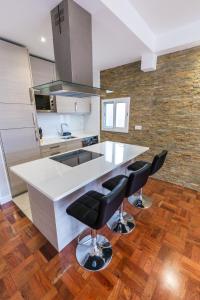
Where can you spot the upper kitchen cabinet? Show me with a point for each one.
(43, 71)
(15, 75)
(83, 105)
(65, 104)
(72, 105)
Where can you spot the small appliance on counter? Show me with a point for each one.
(66, 133)
(90, 141)
(67, 136)
(40, 133)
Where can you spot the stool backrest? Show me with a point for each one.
(111, 202)
(138, 179)
(158, 161)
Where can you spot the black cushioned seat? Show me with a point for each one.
(123, 222)
(110, 184)
(136, 180)
(86, 208)
(94, 252)
(156, 164)
(158, 161)
(95, 209)
(137, 165)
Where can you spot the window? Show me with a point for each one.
(115, 114)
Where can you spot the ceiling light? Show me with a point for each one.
(43, 39)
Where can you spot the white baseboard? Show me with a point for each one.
(5, 199)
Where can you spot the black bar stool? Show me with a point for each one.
(140, 200)
(94, 252)
(121, 221)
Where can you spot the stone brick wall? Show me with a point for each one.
(166, 103)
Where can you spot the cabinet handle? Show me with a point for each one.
(32, 96)
(36, 137)
(54, 147)
(33, 117)
(75, 106)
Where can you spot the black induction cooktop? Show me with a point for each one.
(76, 158)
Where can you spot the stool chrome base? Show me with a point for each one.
(94, 252)
(140, 201)
(121, 222)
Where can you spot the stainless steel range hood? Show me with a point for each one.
(72, 38)
(69, 89)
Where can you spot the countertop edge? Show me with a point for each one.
(77, 187)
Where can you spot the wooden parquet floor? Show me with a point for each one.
(160, 260)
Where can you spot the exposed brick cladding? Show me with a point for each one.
(166, 103)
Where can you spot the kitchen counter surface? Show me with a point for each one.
(56, 180)
(49, 140)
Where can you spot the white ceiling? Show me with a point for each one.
(163, 16)
(25, 21)
(114, 42)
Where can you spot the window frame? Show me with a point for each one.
(125, 100)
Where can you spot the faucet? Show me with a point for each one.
(61, 127)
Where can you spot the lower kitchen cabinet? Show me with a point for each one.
(54, 149)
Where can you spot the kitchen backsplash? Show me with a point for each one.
(50, 122)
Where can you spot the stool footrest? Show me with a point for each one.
(121, 224)
(94, 253)
(140, 202)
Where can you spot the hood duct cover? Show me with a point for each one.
(72, 38)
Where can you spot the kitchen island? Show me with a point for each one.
(53, 184)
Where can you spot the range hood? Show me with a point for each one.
(69, 89)
(72, 39)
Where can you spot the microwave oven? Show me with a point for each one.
(45, 103)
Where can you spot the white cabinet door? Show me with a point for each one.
(73, 105)
(16, 116)
(66, 104)
(83, 105)
(15, 74)
(20, 145)
(43, 71)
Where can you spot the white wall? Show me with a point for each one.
(50, 122)
(92, 121)
(5, 194)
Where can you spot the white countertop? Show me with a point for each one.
(48, 140)
(56, 180)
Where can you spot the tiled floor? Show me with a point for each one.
(160, 260)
